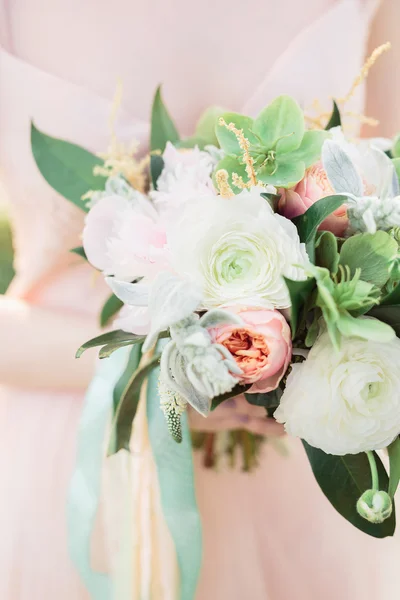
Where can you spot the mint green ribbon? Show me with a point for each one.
(85, 485)
(175, 473)
(174, 464)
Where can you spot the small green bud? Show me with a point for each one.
(375, 506)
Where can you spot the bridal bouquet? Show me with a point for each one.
(257, 258)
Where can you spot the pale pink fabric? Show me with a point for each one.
(270, 535)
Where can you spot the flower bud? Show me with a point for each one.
(374, 506)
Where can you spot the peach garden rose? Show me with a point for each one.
(314, 186)
(261, 346)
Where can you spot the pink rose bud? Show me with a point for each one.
(262, 347)
(313, 187)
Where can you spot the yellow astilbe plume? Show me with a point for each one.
(319, 121)
(245, 146)
(119, 157)
(222, 180)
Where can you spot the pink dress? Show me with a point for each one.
(270, 535)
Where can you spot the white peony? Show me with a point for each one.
(346, 401)
(237, 249)
(186, 172)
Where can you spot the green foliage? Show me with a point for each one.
(300, 292)
(156, 166)
(326, 251)
(269, 400)
(395, 150)
(396, 164)
(122, 425)
(232, 164)
(80, 251)
(279, 145)
(394, 462)
(389, 315)
(335, 118)
(110, 309)
(236, 391)
(163, 129)
(133, 363)
(116, 339)
(6, 252)
(68, 168)
(342, 299)
(373, 253)
(343, 479)
(307, 224)
(205, 128)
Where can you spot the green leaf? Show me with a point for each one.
(308, 223)
(110, 308)
(396, 164)
(389, 315)
(206, 125)
(299, 292)
(343, 479)
(112, 337)
(135, 356)
(269, 400)
(66, 167)
(231, 164)
(282, 173)
(228, 140)
(122, 425)
(310, 148)
(80, 251)
(236, 391)
(163, 129)
(326, 251)
(394, 462)
(280, 125)
(393, 298)
(156, 166)
(396, 147)
(373, 253)
(108, 349)
(335, 119)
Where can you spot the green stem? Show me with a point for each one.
(374, 470)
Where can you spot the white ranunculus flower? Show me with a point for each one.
(186, 172)
(237, 249)
(346, 401)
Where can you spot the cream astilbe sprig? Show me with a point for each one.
(120, 158)
(247, 158)
(321, 118)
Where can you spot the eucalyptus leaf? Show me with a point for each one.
(122, 425)
(343, 479)
(163, 129)
(68, 168)
(299, 292)
(110, 309)
(394, 462)
(373, 253)
(280, 125)
(112, 337)
(80, 251)
(335, 118)
(307, 224)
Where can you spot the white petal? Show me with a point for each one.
(134, 294)
(340, 170)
